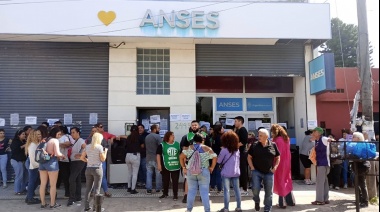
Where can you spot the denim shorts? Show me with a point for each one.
(50, 166)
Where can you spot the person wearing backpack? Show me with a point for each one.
(229, 165)
(198, 171)
(49, 168)
(168, 163)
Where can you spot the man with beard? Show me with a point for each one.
(186, 141)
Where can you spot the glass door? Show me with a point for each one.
(253, 122)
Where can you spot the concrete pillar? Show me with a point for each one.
(305, 104)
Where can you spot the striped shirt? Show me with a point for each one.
(93, 156)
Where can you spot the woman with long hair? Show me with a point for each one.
(18, 159)
(49, 170)
(96, 154)
(283, 184)
(4, 146)
(168, 163)
(132, 159)
(32, 142)
(229, 158)
(200, 181)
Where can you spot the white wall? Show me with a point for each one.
(123, 101)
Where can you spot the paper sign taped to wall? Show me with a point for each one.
(2, 122)
(155, 119)
(51, 121)
(186, 117)
(93, 118)
(30, 120)
(67, 119)
(311, 124)
(175, 117)
(230, 122)
(15, 118)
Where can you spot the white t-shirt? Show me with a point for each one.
(93, 156)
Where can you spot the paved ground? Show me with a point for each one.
(341, 200)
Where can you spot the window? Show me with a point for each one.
(153, 72)
(338, 90)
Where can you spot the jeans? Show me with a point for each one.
(267, 180)
(3, 168)
(20, 181)
(133, 164)
(75, 180)
(104, 178)
(141, 177)
(64, 175)
(226, 184)
(202, 181)
(216, 179)
(345, 171)
(93, 177)
(151, 167)
(34, 179)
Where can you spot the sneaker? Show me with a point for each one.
(336, 188)
(149, 192)
(363, 205)
(134, 191)
(244, 193)
(70, 203)
(129, 190)
(175, 197)
(345, 186)
(87, 209)
(163, 196)
(257, 206)
(158, 191)
(78, 200)
(56, 205)
(238, 210)
(5, 186)
(107, 194)
(33, 201)
(307, 182)
(223, 210)
(184, 200)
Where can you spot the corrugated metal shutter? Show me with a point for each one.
(250, 60)
(47, 80)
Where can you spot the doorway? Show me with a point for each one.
(150, 116)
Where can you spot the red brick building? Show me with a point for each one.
(333, 107)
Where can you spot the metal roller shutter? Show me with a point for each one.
(47, 80)
(250, 60)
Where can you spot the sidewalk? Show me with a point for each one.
(341, 200)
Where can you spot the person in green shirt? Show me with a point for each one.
(168, 163)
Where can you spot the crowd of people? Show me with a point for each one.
(235, 159)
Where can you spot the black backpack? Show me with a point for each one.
(41, 156)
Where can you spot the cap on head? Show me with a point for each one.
(319, 130)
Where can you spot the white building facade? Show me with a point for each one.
(132, 61)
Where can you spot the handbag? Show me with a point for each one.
(221, 165)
